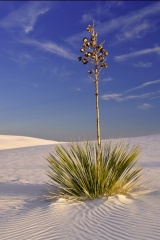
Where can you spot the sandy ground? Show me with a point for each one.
(10, 142)
(26, 215)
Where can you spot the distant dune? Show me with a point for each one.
(9, 141)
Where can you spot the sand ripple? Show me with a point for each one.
(115, 218)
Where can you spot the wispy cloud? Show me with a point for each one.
(60, 71)
(124, 57)
(78, 89)
(30, 84)
(119, 97)
(100, 10)
(51, 47)
(20, 58)
(24, 19)
(142, 64)
(107, 79)
(146, 84)
(134, 24)
(136, 31)
(158, 92)
(145, 106)
(87, 17)
(113, 96)
(26, 16)
(133, 19)
(76, 38)
(123, 96)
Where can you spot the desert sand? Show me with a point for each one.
(26, 215)
(9, 142)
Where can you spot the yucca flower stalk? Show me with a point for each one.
(95, 54)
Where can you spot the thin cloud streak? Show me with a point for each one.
(119, 97)
(128, 26)
(131, 32)
(101, 10)
(142, 64)
(130, 19)
(155, 97)
(26, 16)
(60, 71)
(145, 106)
(78, 89)
(144, 85)
(107, 79)
(30, 84)
(20, 58)
(113, 96)
(51, 47)
(137, 53)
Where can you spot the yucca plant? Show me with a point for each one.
(92, 170)
(73, 169)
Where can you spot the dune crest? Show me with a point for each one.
(9, 142)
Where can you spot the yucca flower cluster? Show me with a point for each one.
(93, 52)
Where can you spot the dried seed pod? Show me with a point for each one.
(82, 50)
(93, 43)
(90, 71)
(88, 44)
(89, 28)
(86, 54)
(102, 50)
(101, 58)
(80, 59)
(93, 54)
(106, 53)
(85, 40)
(103, 65)
(98, 47)
(84, 61)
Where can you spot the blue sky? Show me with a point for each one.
(46, 93)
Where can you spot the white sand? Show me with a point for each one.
(25, 215)
(9, 142)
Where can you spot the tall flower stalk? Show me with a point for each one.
(95, 54)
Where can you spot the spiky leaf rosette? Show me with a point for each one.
(74, 170)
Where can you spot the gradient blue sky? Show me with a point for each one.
(46, 93)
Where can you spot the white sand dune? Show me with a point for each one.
(26, 215)
(9, 142)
